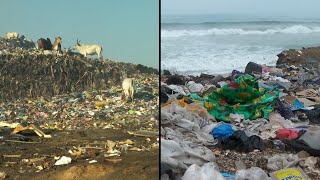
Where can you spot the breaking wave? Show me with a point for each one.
(295, 29)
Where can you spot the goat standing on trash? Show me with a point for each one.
(128, 88)
(89, 49)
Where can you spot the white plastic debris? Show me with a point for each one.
(282, 161)
(194, 87)
(3, 175)
(208, 171)
(63, 161)
(177, 89)
(92, 161)
(222, 83)
(56, 157)
(251, 174)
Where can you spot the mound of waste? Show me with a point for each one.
(28, 72)
(308, 57)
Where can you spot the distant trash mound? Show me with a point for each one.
(29, 73)
(20, 42)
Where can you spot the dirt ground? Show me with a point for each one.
(39, 155)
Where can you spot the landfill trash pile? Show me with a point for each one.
(64, 117)
(263, 123)
(29, 72)
(307, 57)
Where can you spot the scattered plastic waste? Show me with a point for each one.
(63, 161)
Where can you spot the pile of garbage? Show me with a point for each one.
(262, 123)
(61, 109)
(28, 73)
(73, 111)
(17, 43)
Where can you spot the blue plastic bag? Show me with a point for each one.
(222, 131)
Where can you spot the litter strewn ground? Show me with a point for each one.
(259, 124)
(64, 117)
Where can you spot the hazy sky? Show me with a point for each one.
(127, 30)
(294, 8)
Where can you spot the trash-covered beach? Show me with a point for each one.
(62, 116)
(261, 123)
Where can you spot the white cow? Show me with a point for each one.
(128, 88)
(12, 35)
(88, 49)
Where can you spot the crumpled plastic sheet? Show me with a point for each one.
(260, 127)
(254, 173)
(282, 161)
(274, 80)
(309, 165)
(208, 171)
(183, 140)
(182, 154)
(311, 137)
(276, 118)
(177, 89)
(302, 77)
(194, 87)
(188, 123)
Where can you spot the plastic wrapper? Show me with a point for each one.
(290, 173)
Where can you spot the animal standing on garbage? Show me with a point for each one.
(128, 88)
(57, 44)
(44, 44)
(12, 35)
(88, 49)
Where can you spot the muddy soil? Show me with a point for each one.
(37, 157)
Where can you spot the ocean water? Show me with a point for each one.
(219, 44)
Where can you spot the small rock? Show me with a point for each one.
(202, 75)
(217, 79)
(253, 67)
(176, 80)
(166, 72)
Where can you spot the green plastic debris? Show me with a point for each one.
(243, 96)
(131, 111)
(196, 97)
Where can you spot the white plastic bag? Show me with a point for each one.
(208, 171)
(194, 87)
